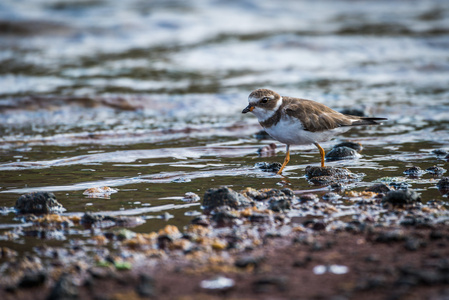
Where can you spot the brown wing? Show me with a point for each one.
(315, 116)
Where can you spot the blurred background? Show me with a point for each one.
(146, 96)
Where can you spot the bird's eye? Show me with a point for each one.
(264, 100)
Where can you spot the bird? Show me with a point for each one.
(296, 121)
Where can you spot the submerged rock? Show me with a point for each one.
(378, 188)
(38, 203)
(401, 197)
(309, 198)
(146, 286)
(268, 150)
(64, 289)
(413, 171)
(439, 152)
(356, 146)
(218, 197)
(269, 167)
(100, 221)
(280, 205)
(224, 196)
(222, 216)
(33, 279)
(443, 185)
(328, 175)
(341, 153)
(435, 170)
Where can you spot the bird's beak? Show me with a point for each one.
(247, 109)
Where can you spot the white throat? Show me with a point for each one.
(264, 114)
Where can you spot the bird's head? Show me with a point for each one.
(263, 103)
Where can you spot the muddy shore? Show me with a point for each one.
(251, 244)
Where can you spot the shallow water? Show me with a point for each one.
(147, 97)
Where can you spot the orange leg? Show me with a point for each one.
(321, 153)
(286, 160)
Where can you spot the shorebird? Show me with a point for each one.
(295, 121)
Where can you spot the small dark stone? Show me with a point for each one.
(99, 272)
(401, 197)
(413, 171)
(303, 262)
(260, 218)
(399, 185)
(269, 167)
(412, 244)
(224, 197)
(319, 226)
(288, 192)
(331, 196)
(267, 151)
(89, 219)
(372, 283)
(145, 287)
(37, 203)
(64, 289)
(443, 185)
(341, 153)
(356, 146)
(322, 180)
(337, 187)
(164, 241)
(436, 235)
(223, 217)
(262, 135)
(264, 285)
(200, 220)
(33, 279)
(435, 170)
(372, 258)
(308, 198)
(390, 236)
(328, 175)
(280, 205)
(439, 152)
(378, 188)
(248, 261)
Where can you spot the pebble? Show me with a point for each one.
(401, 197)
(269, 167)
(329, 175)
(33, 279)
(280, 205)
(413, 171)
(248, 261)
(64, 289)
(267, 151)
(309, 198)
(443, 185)
(390, 236)
(356, 146)
(190, 197)
(331, 196)
(216, 197)
(145, 287)
(439, 152)
(38, 203)
(378, 188)
(435, 170)
(341, 153)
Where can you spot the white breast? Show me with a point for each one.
(291, 131)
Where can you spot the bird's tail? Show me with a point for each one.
(367, 121)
